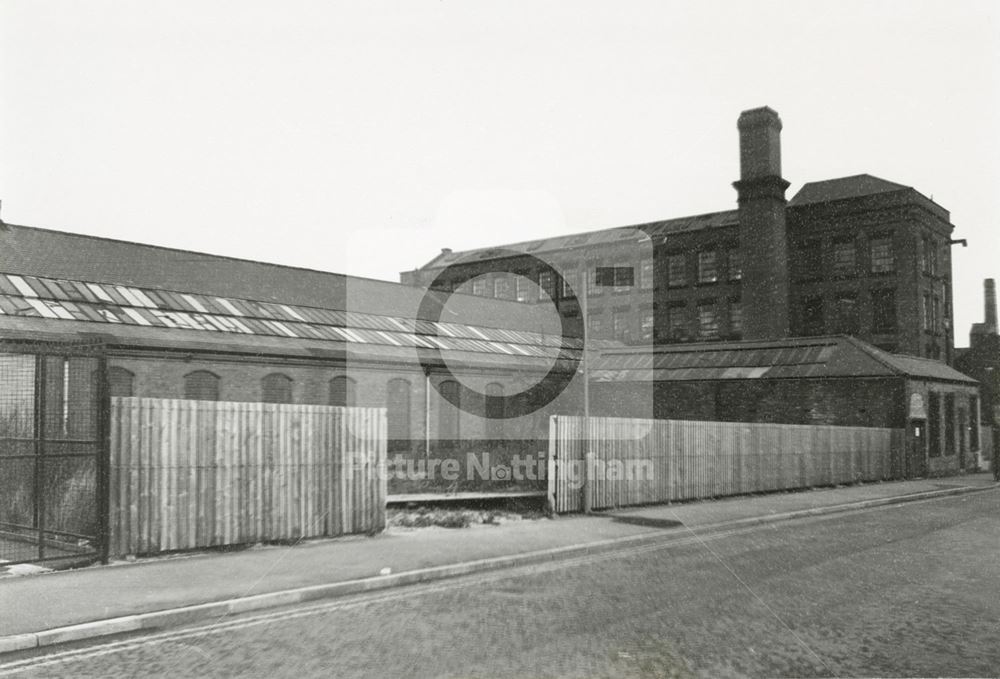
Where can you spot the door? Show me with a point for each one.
(917, 454)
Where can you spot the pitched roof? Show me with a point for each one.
(806, 357)
(61, 255)
(617, 234)
(844, 187)
(63, 285)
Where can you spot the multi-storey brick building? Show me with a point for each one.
(857, 255)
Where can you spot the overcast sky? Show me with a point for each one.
(362, 137)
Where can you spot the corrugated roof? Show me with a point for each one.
(844, 187)
(836, 356)
(660, 229)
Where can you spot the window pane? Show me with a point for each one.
(881, 255)
(883, 311)
(735, 317)
(844, 260)
(620, 325)
(735, 265)
(201, 385)
(342, 391)
(646, 274)
(646, 325)
(809, 260)
(276, 388)
(707, 272)
(676, 270)
(708, 322)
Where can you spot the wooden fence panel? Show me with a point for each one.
(187, 474)
(682, 460)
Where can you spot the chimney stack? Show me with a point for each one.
(990, 299)
(761, 198)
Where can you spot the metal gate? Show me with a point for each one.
(53, 454)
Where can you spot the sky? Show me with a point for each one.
(363, 137)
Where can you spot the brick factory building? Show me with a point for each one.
(857, 255)
(186, 325)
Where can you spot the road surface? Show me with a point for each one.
(905, 590)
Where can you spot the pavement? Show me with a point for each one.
(43, 609)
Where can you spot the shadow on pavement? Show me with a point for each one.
(643, 521)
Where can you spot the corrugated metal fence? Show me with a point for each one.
(188, 474)
(641, 461)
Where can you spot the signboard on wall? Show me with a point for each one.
(917, 410)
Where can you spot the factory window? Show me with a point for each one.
(677, 322)
(676, 270)
(934, 424)
(342, 390)
(479, 286)
(929, 255)
(547, 283)
(494, 411)
(646, 273)
(974, 422)
(594, 287)
(595, 326)
(880, 249)
(707, 270)
(397, 414)
(845, 313)
(524, 289)
(809, 260)
(502, 288)
(569, 282)
(936, 314)
(708, 320)
(811, 314)
(201, 385)
(121, 382)
(448, 413)
(735, 317)
(620, 325)
(623, 278)
(949, 424)
(884, 310)
(646, 322)
(928, 312)
(735, 265)
(276, 388)
(844, 258)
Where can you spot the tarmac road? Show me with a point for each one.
(904, 590)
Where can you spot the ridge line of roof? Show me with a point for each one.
(204, 254)
(654, 222)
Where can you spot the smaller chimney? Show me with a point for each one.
(445, 251)
(990, 300)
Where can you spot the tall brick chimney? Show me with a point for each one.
(990, 300)
(761, 198)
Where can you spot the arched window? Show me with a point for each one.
(448, 413)
(397, 407)
(121, 382)
(342, 390)
(201, 385)
(276, 388)
(494, 411)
